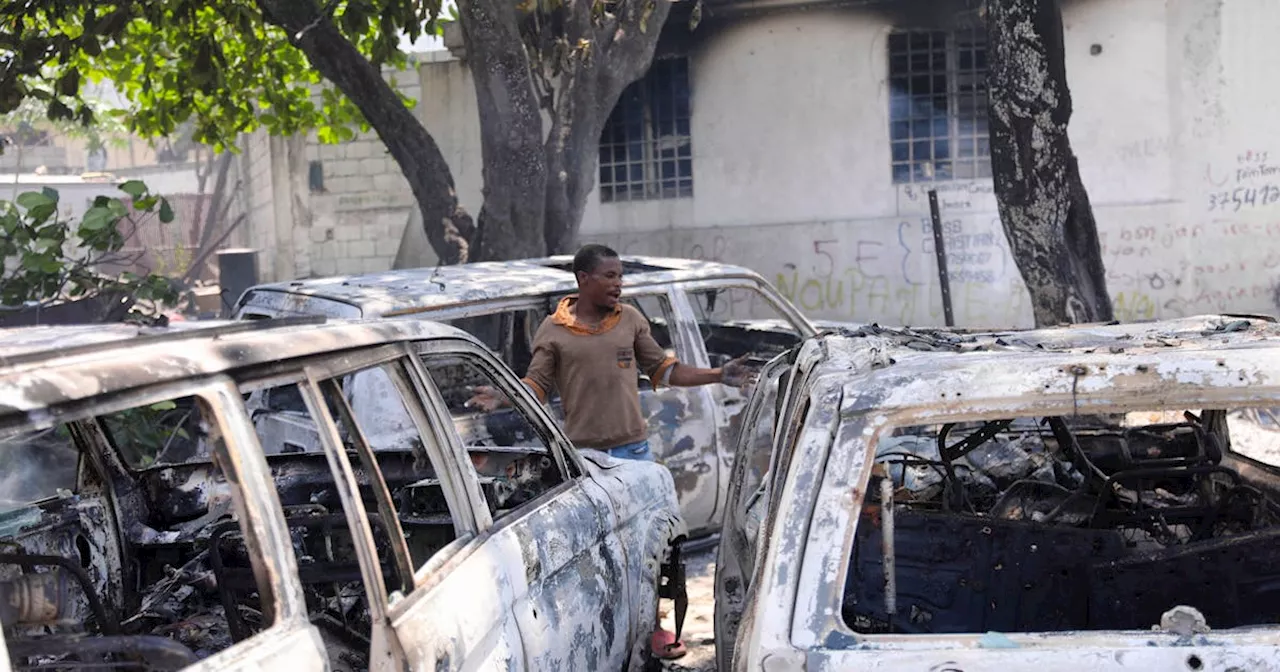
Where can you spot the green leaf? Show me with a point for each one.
(34, 199)
(163, 406)
(166, 211)
(58, 111)
(40, 213)
(69, 83)
(135, 188)
(96, 219)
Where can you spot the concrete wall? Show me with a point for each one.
(362, 213)
(1169, 117)
(351, 223)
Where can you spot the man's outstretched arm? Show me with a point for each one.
(735, 374)
(665, 370)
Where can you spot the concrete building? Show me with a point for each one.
(800, 137)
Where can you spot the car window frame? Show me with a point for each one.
(776, 368)
(82, 471)
(804, 328)
(564, 455)
(327, 371)
(681, 328)
(457, 475)
(444, 461)
(870, 426)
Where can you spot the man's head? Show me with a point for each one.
(599, 273)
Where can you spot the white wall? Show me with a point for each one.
(791, 167)
(256, 195)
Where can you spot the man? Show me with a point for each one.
(590, 351)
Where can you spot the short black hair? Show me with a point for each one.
(589, 256)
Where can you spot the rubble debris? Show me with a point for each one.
(1183, 621)
(1050, 524)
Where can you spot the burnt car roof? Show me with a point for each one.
(892, 368)
(410, 290)
(43, 366)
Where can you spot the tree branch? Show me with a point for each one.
(622, 48)
(219, 191)
(447, 224)
(204, 254)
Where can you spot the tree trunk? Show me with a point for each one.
(447, 224)
(515, 171)
(589, 90)
(1043, 205)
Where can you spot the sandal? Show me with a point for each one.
(663, 645)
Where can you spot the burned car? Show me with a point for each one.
(704, 313)
(1093, 497)
(206, 497)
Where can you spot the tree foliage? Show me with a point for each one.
(107, 125)
(46, 259)
(233, 66)
(220, 63)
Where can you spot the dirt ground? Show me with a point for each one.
(699, 624)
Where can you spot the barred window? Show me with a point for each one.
(645, 148)
(938, 106)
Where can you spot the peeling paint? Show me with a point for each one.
(225, 560)
(864, 384)
(692, 431)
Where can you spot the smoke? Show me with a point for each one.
(35, 465)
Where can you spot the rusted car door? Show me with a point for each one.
(775, 414)
(742, 517)
(547, 533)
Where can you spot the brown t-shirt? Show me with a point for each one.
(595, 371)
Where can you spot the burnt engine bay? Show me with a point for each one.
(149, 570)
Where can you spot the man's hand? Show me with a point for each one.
(736, 373)
(487, 399)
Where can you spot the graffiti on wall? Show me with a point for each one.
(868, 270)
(1178, 270)
(1250, 182)
(1218, 251)
(865, 275)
